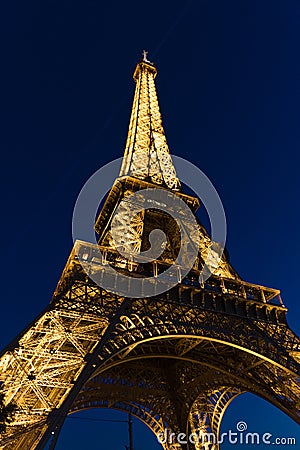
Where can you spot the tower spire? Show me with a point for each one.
(147, 154)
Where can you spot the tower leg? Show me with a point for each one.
(205, 418)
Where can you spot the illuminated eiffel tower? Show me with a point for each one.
(176, 359)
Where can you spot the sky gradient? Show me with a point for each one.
(228, 85)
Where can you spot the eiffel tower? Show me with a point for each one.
(175, 359)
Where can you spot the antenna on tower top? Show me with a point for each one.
(145, 53)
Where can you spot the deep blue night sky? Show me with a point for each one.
(228, 84)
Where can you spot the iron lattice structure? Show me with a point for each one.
(174, 360)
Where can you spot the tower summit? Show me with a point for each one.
(147, 153)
